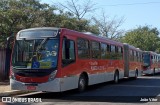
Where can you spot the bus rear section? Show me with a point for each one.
(150, 62)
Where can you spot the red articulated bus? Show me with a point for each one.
(59, 59)
(150, 62)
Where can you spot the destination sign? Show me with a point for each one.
(38, 33)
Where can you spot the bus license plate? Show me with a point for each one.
(31, 87)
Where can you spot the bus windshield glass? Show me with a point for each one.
(146, 59)
(35, 53)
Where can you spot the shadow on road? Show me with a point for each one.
(127, 90)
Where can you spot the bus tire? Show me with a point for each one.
(116, 77)
(154, 71)
(136, 74)
(82, 83)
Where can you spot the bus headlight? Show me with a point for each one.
(52, 75)
(12, 75)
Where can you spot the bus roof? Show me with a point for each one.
(151, 52)
(132, 47)
(98, 38)
(40, 28)
(89, 36)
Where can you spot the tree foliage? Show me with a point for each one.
(20, 14)
(145, 38)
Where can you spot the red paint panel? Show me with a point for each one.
(32, 79)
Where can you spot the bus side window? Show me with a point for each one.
(120, 52)
(103, 51)
(68, 52)
(151, 57)
(95, 48)
(141, 57)
(135, 55)
(113, 52)
(130, 55)
(83, 48)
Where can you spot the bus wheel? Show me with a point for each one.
(82, 83)
(154, 71)
(136, 74)
(116, 77)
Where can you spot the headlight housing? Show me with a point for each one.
(52, 75)
(12, 75)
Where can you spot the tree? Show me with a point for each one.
(21, 14)
(82, 25)
(109, 27)
(145, 38)
(78, 9)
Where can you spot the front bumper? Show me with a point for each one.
(51, 86)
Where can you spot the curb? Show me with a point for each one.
(14, 92)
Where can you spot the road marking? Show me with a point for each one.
(150, 77)
(139, 86)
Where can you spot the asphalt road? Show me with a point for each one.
(143, 90)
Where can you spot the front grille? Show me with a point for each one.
(33, 72)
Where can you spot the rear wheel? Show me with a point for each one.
(154, 71)
(82, 83)
(136, 74)
(116, 77)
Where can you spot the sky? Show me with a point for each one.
(135, 12)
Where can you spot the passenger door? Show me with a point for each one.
(69, 67)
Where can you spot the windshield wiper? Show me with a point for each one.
(40, 46)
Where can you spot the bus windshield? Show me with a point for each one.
(35, 53)
(146, 59)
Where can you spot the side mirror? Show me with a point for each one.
(9, 40)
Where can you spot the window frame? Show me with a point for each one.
(99, 49)
(106, 51)
(67, 60)
(89, 52)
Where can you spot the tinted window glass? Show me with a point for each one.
(83, 48)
